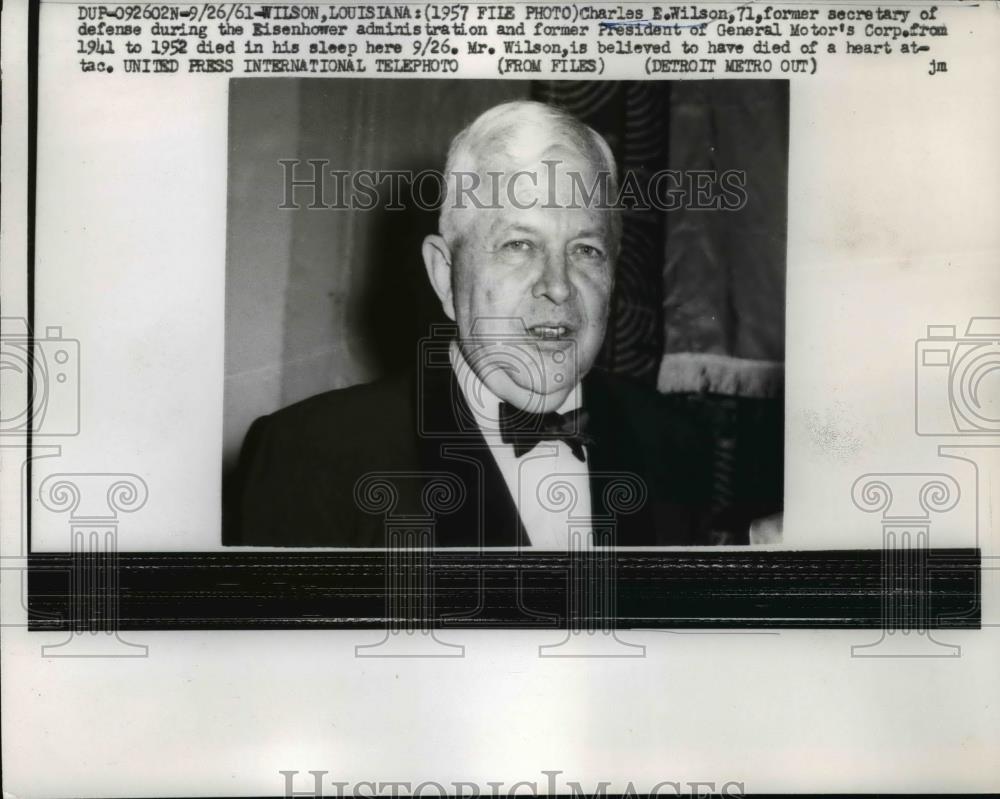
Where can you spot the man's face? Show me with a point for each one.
(531, 286)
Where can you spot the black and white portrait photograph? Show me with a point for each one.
(549, 300)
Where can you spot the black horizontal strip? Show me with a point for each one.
(928, 589)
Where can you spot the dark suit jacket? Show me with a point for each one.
(301, 479)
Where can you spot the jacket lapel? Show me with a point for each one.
(615, 453)
(627, 438)
(449, 440)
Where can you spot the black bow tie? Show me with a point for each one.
(524, 430)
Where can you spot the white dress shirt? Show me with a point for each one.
(549, 485)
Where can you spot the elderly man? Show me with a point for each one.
(538, 447)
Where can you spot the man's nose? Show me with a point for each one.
(554, 280)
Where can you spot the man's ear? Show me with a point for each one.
(437, 260)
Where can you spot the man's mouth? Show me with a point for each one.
(550, 331)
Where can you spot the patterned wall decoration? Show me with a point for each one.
(699, 304)
(634, 119)
(700, 300)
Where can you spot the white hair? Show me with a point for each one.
(522, 131)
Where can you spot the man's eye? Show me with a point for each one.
(518, 245)
(589, 251)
